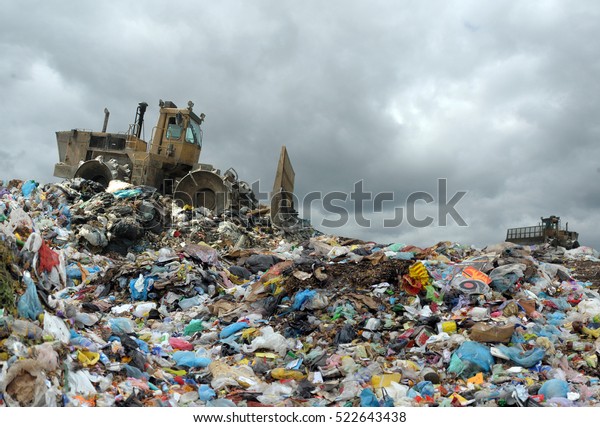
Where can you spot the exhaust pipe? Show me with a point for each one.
(139, 117)
(106, 114)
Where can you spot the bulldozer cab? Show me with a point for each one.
(551, 226)
(177, 135)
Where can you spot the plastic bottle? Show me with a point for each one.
(26, 329)
(80, 341)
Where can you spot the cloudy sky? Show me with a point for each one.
(501, 99)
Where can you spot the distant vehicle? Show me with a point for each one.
(168, 163)
(549, 231)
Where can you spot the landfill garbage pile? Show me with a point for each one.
(116, 298)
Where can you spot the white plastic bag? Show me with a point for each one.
(56, 327)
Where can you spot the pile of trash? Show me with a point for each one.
(117, 297)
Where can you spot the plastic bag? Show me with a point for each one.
(317, 302)
(425, 388)
(224, 375)
(275, 393)
(121, 325)
(506, 276)
(46, 357)
(139, 287)
(83, 342)
(143, 309)
(471, 358)
(202, 252)
(56, 327)
(24, 384)
(349, 390)
(258, 262)
(589, 307)
(205, 393)
(28, 188)
(526, 359)
(180, 344)
(268, 340)
(554, 388)
(232, 329)
(368, 399)
(302, 298)
(194, 326)
(80, 383)
(190, 359)
(87, 358)
(346, 335)
(187, 303)
(29, 305)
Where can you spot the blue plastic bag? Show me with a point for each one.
(554, 388)
(425, 388)
(189, 359)
(302, 298)
(232, 329)
(526, 359)
(127, 193)
(29, 305)
(139, 287)
(470, 358)
(368, 399)
(206, 393)
(556, 319)
(142, 345)
(133, 372)
(28, 188)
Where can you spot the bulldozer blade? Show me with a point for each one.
(282, 197)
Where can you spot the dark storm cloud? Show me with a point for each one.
(499, 98)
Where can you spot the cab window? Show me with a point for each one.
(193, 133)
(174, 130)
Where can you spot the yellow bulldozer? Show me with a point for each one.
(169, 163)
